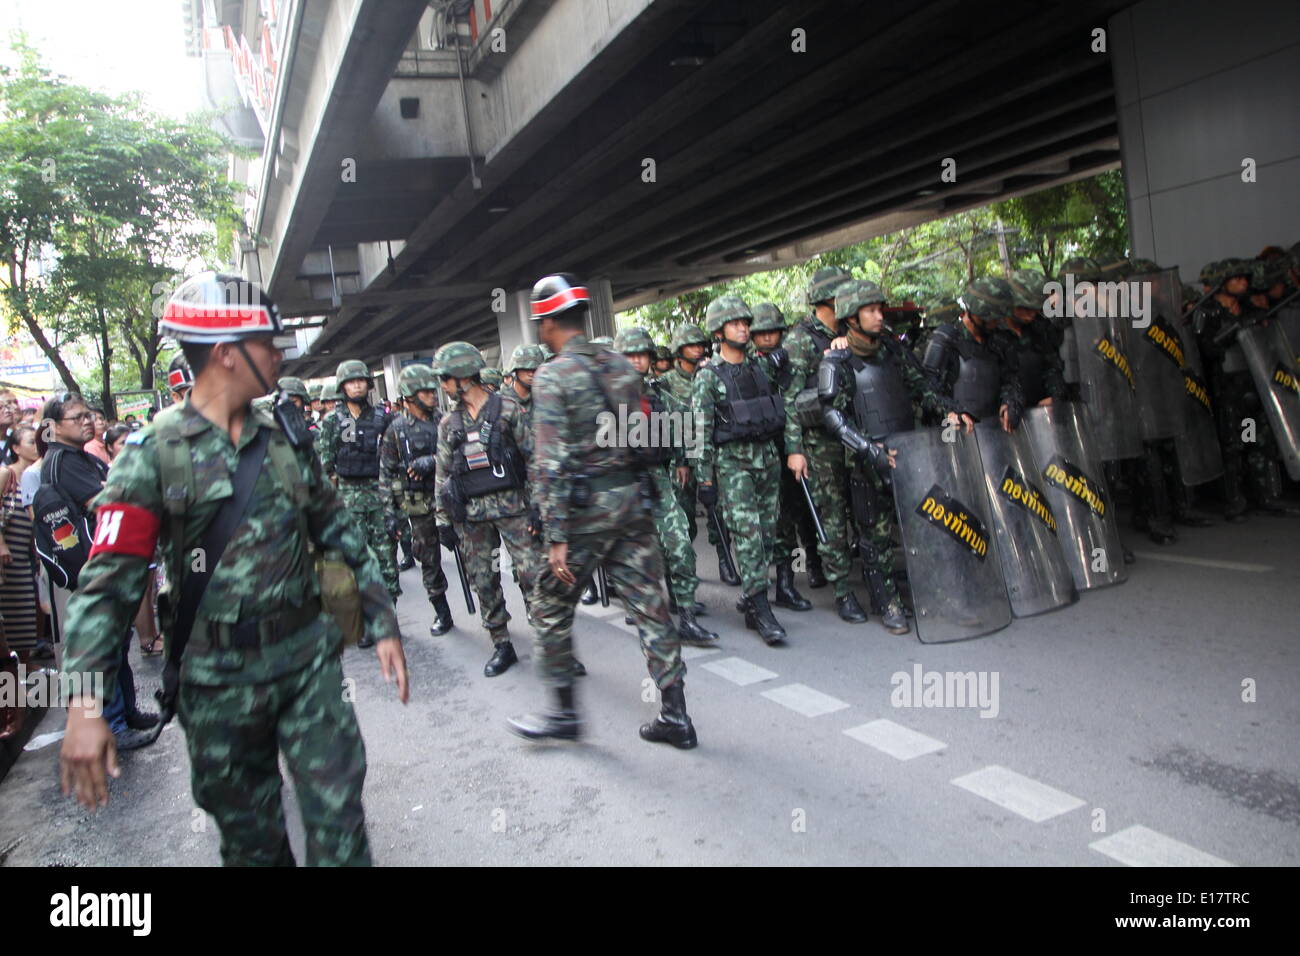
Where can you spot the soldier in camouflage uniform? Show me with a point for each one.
(408, 463)
(481, 494)
(740, 413)
(349, 446)
(765, 337)
(1034, 340)
(690, 347)
(670, 523)
(261, 672)
(525, 360)
(491, 378)
(663, 363)
(813, 453)
(874, 359)
(595, 509)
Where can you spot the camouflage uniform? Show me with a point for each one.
(678, 386)
(363, 497)
(614, 529)
(240, 703)
(492, 518)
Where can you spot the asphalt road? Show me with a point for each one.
(1120, 737)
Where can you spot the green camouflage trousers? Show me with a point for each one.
(686, 498)
(234, 735)
(873, 512)
(793, 525)
(747, 497)
(480, 544)
(636, 570)
(827, 477)
(675, 542)
(428, 552)
(361, 497)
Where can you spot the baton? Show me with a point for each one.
(812, 510)
(602, 585)
(464, 579)
(725, 538)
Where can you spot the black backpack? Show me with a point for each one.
(62, 528)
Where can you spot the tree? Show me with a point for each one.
(101, 204)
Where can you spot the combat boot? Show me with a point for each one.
(673, 725)
(503, 655)
(699, 609)
(441, 616)
(690, 631)
(894, 620)
(589, 595)
(786, 595)
(561, 721)
(816, 576)
(727, 576)
(849, 609)
(759, 617)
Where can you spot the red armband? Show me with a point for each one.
(125, 529)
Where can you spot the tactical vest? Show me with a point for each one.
(979, 379)
(882, 404)
(752, 411)
(821, 338)
(415, 439)
(359, 458)
(653, 404)
(485, 459)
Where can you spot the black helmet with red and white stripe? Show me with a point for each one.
(212, 307)
(561, 292)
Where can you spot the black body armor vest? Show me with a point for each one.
(492, 463)
(882, 404)
(979, 380)
(359, 458)
(753, 411)
(415, 439)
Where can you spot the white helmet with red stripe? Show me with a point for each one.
(212, 307)
(559, 293)
(179, 376)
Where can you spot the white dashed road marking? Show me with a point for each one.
(1139, 846)
(1015, 792)
(802, 699)
(690, 651)
(739, 671)
(901, 743)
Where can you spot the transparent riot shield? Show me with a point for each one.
(948, 540)
(1157, 353)
(1289, 319)
(1069, 468)
(1107, 382)
(1272, 364)
(1200, 457)
(1034, 568)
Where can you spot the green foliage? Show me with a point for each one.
(102, 204)
(929, 264)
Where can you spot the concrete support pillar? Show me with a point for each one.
(1207, 104)
(393, 365)
(515, 326)
(601, 317)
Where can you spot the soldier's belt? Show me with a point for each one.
(612, 479)
(264, 630)
(370, 480)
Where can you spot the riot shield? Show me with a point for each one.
(1107, 383)
(1200, 458)
(1272, 364)
(1037, 576)
(1157, 354)
(943, 513)
(1069, 469)
(1289, 319)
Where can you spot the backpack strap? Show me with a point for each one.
(285, 463)
(176, 471)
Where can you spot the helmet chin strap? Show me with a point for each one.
(257, 373)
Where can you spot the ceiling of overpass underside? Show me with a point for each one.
(757, 149)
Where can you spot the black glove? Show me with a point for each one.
(424, 466)
(535, 521)
(708, 495)
(875, 456)
(392, 526)
(448, 537)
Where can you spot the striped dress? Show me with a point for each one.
(18, 592)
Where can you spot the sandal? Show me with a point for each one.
(153, 648)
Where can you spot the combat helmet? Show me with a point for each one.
(329, 391)
(1266, 273)
(350, 370)
(292, 385)
(605, 341)
(767, 318)
(1027, 288)
(724, 309)
(687, 334)
(825, 281)
(179, 376)
(853, 295)
(663, 353)
(212, 307)
(1214, 274)
(526, 357)
(415, 377)
(314, 392)
(1143, 267)
(459, 360)
(634, 340)
(1083, 268)
(990, 298)
(491, 376)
